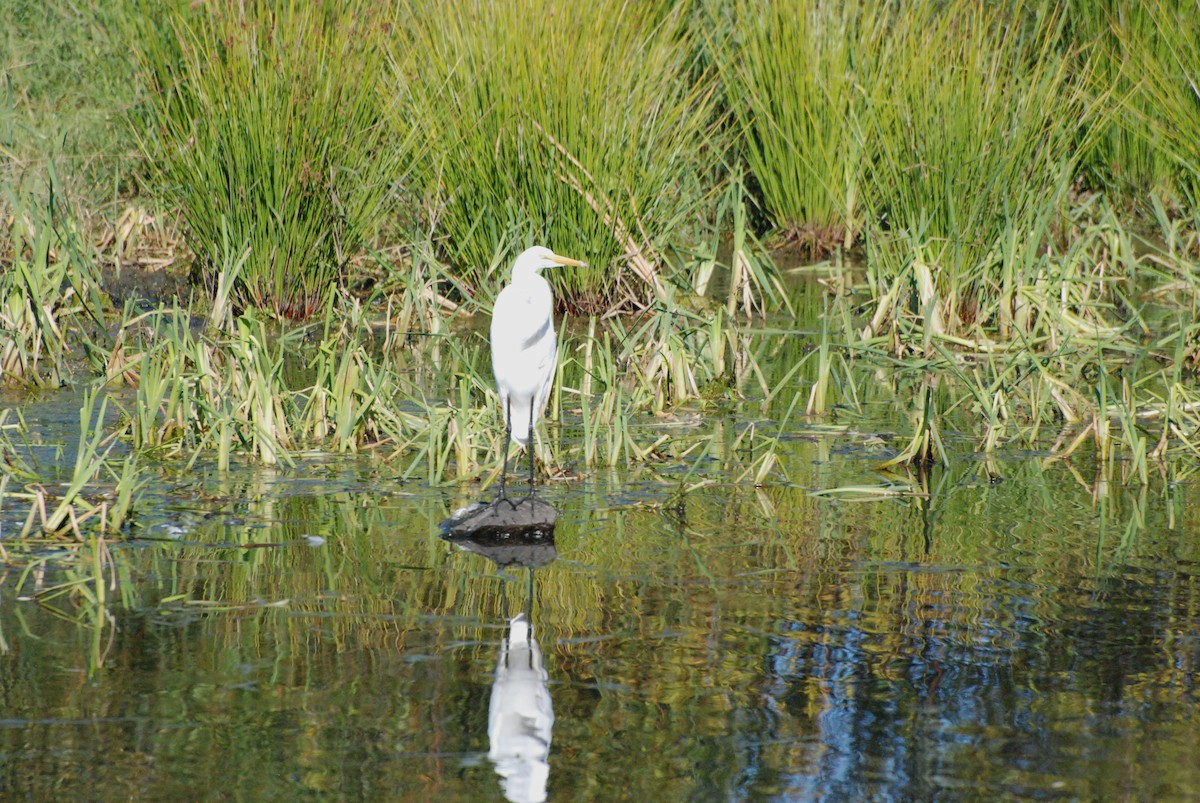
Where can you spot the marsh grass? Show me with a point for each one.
(1168, 94)
(549, 122)
(267, 119)
(1037, 296)
(14, 450)
(978, 256)
(1128, 154)
(979, 139)
(195, 393)
(1077, 401)
(50, 294)
(794, 74)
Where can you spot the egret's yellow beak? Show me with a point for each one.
(567, 261)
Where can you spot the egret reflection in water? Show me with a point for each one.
(521, 715)
(520, 711)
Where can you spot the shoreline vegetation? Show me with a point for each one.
(279, 224)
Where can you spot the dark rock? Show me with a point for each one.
(508, 532)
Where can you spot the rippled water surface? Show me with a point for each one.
(1008, 630)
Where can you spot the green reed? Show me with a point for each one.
(583, 128)
(946, 184)
(1079, 398)
(1122, 41)
(197, 392)
(49, 292)
(792, 74)
(267, 118)
(1156, 41)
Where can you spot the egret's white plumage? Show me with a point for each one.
(524, 348)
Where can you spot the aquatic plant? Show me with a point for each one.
(979, 139)
(547, 122)
(1079, 399)
(49, 290)
(795, 76)
(1168, 88)
(267, 119)
(61, 556)
(96, 498)
(1118, 41)
(196, 393)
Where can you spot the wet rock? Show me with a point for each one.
(508, 532)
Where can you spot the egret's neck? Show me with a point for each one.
(525, 275)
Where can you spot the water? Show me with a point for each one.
(1014, 631)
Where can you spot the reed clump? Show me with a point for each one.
(586, 126)
(797, 78)
(50, 295)
(264, 125)
(974, 153)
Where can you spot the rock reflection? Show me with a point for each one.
(520, 712)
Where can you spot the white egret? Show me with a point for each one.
(524, 349)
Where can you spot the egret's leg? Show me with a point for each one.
(529, 613)
(529, 597)
(531, 447)
(507, 438)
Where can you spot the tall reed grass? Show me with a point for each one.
(1168, 65)
(267, 119)
(582, 126)
(979, 138)
(797, 75)
(1119, 40)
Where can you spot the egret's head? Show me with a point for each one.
(531, 260)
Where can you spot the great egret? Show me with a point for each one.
(524, 349)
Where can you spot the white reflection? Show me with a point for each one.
(521, 716)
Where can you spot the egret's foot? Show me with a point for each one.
(503, 498)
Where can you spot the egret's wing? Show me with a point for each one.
(523, 342)
(546, 362)
(519, 320)
(524, 352)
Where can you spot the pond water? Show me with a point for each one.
(1007, 630)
